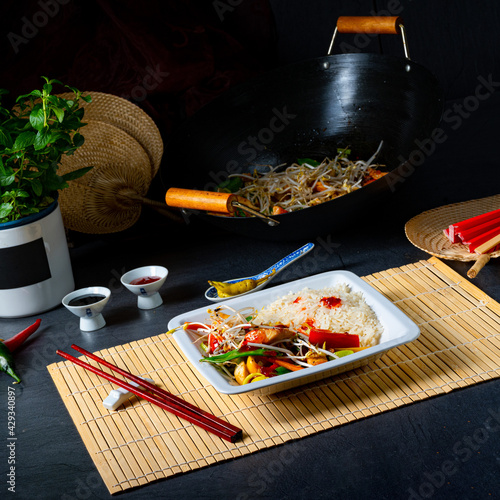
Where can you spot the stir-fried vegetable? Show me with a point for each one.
(247, 353)
(303, 184)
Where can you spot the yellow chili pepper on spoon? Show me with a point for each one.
(231, 289)
(220, 290)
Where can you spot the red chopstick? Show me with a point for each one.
(158, 391)
(166, 401)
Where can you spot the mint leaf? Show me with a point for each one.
(37, 117)
(5, 210)
(24, 140)
(7, 180)
(59, 113)
(5, 139)
(78, 140)
(59, 134)
(34, 93)
(41, 139)
(34, 135)
(52, 81)
(76, 174)
(37, 187)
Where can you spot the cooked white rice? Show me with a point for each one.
(353, 315)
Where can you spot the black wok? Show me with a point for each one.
(309, 109)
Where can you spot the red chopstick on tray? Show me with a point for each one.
(159, 397)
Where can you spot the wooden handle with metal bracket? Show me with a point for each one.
(213, 203)
(200, 200)
(387, 25)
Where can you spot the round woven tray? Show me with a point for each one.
(425, 231)
(123, 114)
(109, 197)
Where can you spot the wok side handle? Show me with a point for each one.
(378, 25)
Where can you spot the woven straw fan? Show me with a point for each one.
(110, 196)
(425, 231)
(123, 114)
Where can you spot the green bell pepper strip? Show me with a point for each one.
(344, 352)
(228, 356)
(281, 370)
(7, 362)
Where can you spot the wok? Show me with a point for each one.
(309, 109)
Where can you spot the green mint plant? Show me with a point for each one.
(34, 136)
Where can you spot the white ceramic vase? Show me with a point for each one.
(35, 267)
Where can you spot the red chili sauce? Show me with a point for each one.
(145, 280)
(331, 302)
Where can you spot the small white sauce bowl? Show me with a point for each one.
(148, 296)
(90, 315)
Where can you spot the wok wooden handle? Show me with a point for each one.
(387, 25)
(200, 200)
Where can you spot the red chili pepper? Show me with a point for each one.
(7, 347)
(333, 340)
(14, 342)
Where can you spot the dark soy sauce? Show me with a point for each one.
(86, 300)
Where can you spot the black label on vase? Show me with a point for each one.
(23, 265)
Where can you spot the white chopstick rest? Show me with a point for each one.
(118, 396)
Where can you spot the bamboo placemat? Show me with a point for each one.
(459, 346)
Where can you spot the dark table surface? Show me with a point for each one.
(397, 454)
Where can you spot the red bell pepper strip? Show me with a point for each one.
(333, 340)
(214, 340)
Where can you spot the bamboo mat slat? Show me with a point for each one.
(459, 346)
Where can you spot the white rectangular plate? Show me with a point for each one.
(398, 330)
